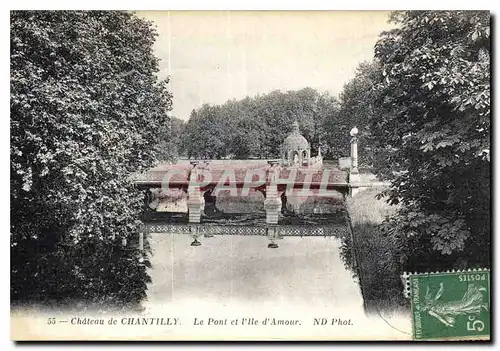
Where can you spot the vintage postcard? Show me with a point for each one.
(250, 175)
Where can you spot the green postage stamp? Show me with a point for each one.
(450, 305)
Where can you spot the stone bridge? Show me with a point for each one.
(279, 181)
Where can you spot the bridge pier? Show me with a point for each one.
(272, 203)
(196, 200)
(353, 187)
(195, 205)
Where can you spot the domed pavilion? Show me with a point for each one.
(296, 150)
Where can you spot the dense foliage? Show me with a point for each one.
(256, 127)
(87, 110)
(358, 105)
(435, 98)
(171, 141)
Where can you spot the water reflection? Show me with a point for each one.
(241, 268)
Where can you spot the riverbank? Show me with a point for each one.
(376, 253)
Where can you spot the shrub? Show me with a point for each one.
(372, 255)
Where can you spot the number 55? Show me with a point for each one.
(51, 321)
(476, 326)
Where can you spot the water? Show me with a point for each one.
(242, 269)
(234, 277)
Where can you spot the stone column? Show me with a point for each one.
(195, 201)
(354, 154)
(353, 170)
(272, 203)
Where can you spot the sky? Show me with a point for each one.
(215, 56)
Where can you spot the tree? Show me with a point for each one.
(171, 142)
(328, 108)
(207, 133)
(256, 127)
(87, 111)
(358, 105)
(436, 86)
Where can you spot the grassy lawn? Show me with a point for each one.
(377, 255)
